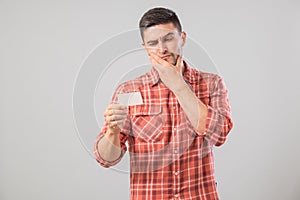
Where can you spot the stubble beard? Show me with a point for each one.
(174, 58)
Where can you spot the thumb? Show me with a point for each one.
(179, 64)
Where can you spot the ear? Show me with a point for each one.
(183, 38)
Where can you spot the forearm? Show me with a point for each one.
(195, 110)
(109, 147)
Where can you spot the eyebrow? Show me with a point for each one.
(169, 34)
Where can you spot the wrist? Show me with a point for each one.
(112, 132)
(180, 86)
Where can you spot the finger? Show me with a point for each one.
(155, 64)
(116, 124)
(179, 63)
(115, 112)
(153, 61)
(161, 61)
(115, 118)
(157, 58)
(113, 124)
(108, 112)
(120, 122)
(117, 107)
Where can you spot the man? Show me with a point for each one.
(184, 112)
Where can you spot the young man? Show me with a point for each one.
(184, 112)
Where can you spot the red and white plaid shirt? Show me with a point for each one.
(169, 158)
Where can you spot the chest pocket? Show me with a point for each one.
(147, 122)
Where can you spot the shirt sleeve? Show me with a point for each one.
(219, 121)
(123, 137)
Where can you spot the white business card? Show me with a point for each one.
(130, 99)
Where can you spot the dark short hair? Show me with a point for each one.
(156, 16)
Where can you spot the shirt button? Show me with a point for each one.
(176, 173)
(175, 129)
(176, 195)
(174, 107)
(175, 151)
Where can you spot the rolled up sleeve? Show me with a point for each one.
(219, 121)
(99, 159)
(123, 136)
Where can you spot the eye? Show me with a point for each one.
(168, 38)
(152, 43)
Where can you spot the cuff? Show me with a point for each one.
(101, 160)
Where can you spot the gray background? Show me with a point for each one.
(43, 43)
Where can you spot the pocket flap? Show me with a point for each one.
(145, 110)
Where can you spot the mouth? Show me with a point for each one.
(165, 57)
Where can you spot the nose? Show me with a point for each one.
(162, 47)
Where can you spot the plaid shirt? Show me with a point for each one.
(169, 158)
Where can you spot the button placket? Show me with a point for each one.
(174, 112)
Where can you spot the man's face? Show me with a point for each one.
(165, 41)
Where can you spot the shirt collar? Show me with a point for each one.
(153, 76)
